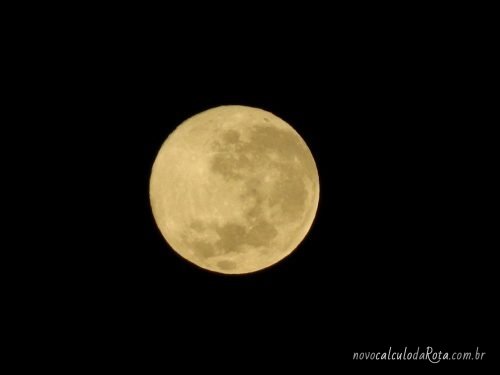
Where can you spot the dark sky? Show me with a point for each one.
(401, 251)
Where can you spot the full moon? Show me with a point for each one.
(234, 189)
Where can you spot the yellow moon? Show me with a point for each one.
(234, 189)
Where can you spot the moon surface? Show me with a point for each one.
(234, 189)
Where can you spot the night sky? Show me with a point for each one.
(400, 252)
